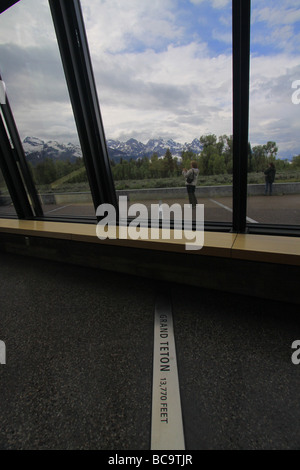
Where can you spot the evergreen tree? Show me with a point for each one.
(259, 158)
(209, 151)
(168, 163)
(296, 162)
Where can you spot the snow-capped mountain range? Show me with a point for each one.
(134, 149)
(37, 150)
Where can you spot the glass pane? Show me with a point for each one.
(6, 205)
(274, 113)
(31, 68)
(164, 76)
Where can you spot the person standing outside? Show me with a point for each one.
(191, 177)
(269, 178)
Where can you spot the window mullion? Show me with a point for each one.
(241, 67)
(20, 156)
(12, 176)
(72, 41)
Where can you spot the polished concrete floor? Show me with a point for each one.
(78, 372)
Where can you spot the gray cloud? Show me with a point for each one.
(33, 73)
(151, 80)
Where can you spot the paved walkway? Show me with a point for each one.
(261, 209)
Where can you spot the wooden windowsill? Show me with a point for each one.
(270, 249)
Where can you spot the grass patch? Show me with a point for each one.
(65, 184)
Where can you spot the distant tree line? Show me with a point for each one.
(296, 162)
(48, 170)
(146, 168)
(214, 159)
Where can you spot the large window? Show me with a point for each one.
(164, 76)
(171, 79)
(274, 113)
(31, 68)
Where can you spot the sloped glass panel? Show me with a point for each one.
(274, 114)
(31, 67)
(163, 71)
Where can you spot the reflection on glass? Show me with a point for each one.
(274, 113)
(164, 77)
(31, 67)
(6, 205)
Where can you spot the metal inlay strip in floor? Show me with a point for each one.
(167, 426)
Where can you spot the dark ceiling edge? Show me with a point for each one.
(5, 4)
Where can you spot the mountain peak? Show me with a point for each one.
(37, 150)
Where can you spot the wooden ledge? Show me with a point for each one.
(260, 248)
(215, 244)
(269, 249)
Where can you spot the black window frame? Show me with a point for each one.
(5, 4)
(74, 50)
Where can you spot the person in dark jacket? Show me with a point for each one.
(191, 177)
(269, 178)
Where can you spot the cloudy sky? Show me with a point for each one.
(163, 68)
